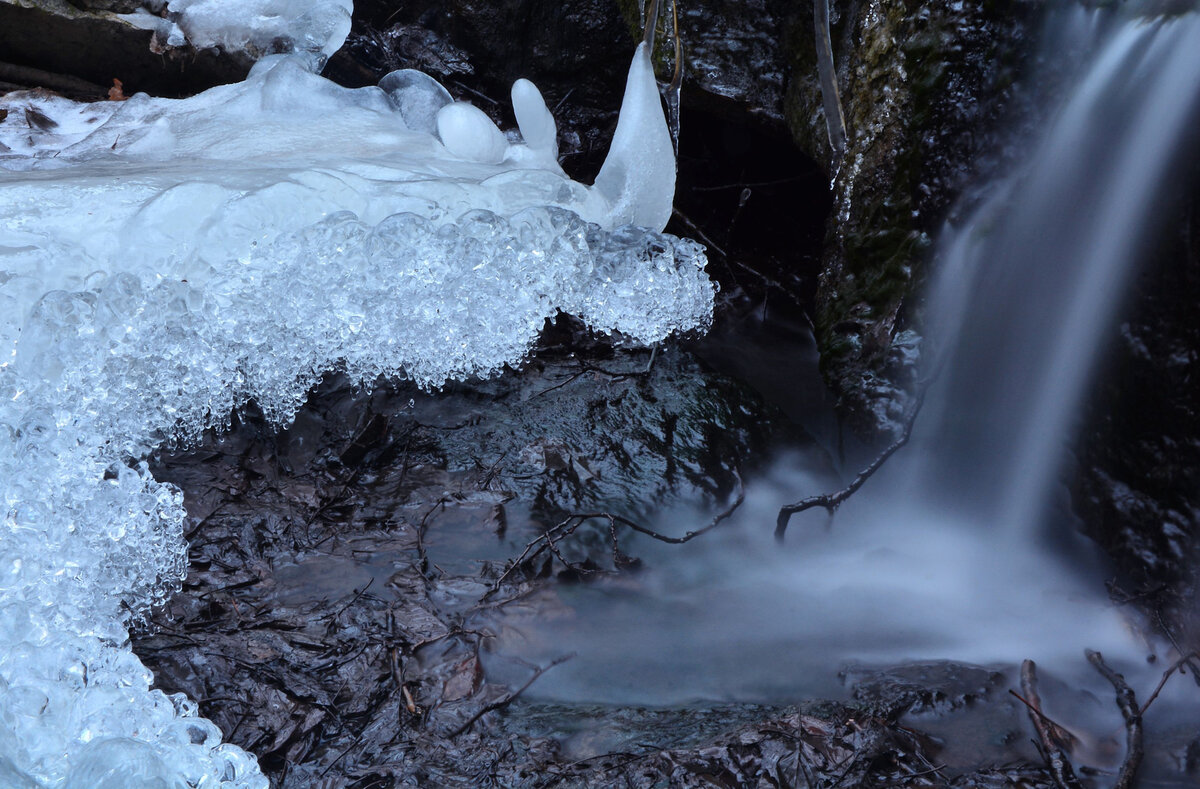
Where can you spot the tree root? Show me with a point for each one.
(1053, 737)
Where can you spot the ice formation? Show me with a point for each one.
(256, 27)
(162, 262)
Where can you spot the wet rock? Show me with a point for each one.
(115, 6)
(934, 686)
(577, 53)
(332, 619)
(816, 744)
(734, 58)
(923, 85)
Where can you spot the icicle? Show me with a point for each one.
(638, 176)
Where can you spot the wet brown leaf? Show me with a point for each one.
(464, 682)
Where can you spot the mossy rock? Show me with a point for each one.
(922, 85)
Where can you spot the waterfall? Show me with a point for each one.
(1030, 283)
(939, 556)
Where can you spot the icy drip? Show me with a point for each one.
(163, 262)
(1030, 283)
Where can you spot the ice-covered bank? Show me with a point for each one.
(163, 262)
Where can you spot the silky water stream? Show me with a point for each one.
(961, 548)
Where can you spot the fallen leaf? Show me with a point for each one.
(463, 682)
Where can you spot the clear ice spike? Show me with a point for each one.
(638, 176)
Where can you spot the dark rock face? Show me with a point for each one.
(1137, 486)
(733, 52)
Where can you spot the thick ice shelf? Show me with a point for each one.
(162, 262)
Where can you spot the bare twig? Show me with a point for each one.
(1132, 714)
(567, 526)
(649, 31)
(509, 698)
(1060, 733)
(831, 501)
(1178, 664)
(1060, 766)
(695, 230)
(357, 594)
(1191, 661)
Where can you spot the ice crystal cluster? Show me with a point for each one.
(163, 262)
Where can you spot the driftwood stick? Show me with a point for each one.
(1056, 760)
(509, 698)
(1132, 714)
(831, 501)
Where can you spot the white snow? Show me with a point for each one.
(139, 244)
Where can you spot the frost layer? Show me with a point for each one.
(161, 263)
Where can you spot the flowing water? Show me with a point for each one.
(960, 548)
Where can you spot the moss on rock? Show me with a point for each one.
(921, 82)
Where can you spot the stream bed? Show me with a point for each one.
(354, 601)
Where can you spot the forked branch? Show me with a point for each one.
(831, 501)
(1132, 714)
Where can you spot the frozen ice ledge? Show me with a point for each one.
(163, 262)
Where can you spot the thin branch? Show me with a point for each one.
(1132, 714)
(1185, 660)
(1190, 660)
(695, 230)
(1060, 766)
(651, 23)
(831, 501)
(1060, 733)
(568, 526)
(509, 698)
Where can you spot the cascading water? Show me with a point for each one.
(939, 557)
(1029, 284)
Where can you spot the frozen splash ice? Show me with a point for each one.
(163, 262)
